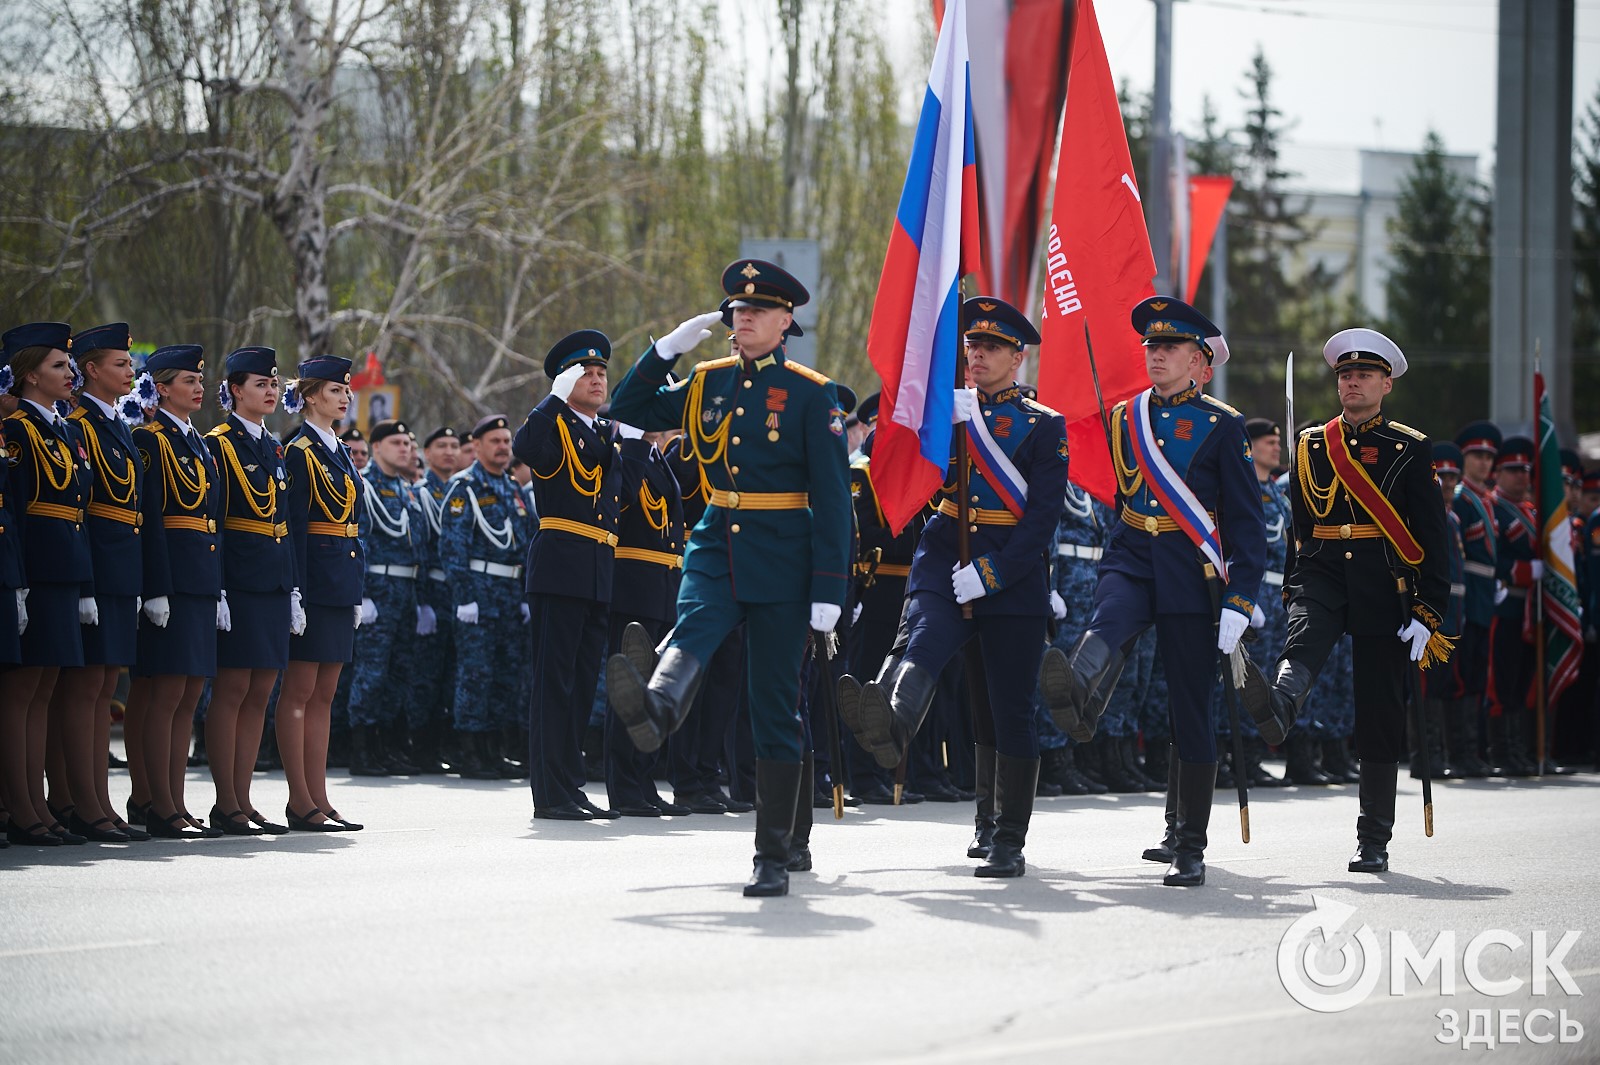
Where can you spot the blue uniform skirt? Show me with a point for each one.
(52, 638)
(10, 642)
(259, 638)
(330, 635)
(187, 647)
(115, 641)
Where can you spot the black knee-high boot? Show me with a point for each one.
(1375, 826)
(1196, 783)
(777, 799)
(983, 820)
(1015, 780)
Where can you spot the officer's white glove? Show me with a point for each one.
(297, 614)
(368, 612)
(966, 405)
(527, 613)
(356, 612)
(224, 615)
(824, 616)
(1416, 634)
(629, 432)
(967, 584)
(1258, 620)
(88, 611)
(22, 611)
(467, 613)
(855, 615)
(1230, 627)
(427, 621)
(566, 381)
(138, 603)
(1058, 605)
(1501, 592)
(687, 335)
(1537, 569)
(159, 611)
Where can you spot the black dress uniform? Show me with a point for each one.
(576, 477)
(1474, 510)
(1511, 652)
(1370, 555)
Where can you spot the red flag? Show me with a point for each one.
(1208, 199)
(1098, 263)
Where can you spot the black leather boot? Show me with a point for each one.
(474, 762)
(1166, 850)
(1196, 783)
(777, 800)
(511, 749)
(365, 760)
(892, 709)
(392, 751)
(1055, 766)
(1300, 763)
(800, 844)
(1433, 736)
(1015, 780)
(1375, 826)
(637, 647)
(1275, 707)
(1077, 686)
(1108, 755)
(1519, 744)
(653, 711)
(983, 836)
(1255, 749)
(1465, 738)
(1158, 755)
(1129, 748)
(425, 748)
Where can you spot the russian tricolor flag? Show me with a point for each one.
(916, 316)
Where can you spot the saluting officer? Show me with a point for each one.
(1371, 558)
(1187, 558)
(769, 436)
(572, 454)
(1473, 507)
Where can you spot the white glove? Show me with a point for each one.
(1058, 605)
(427, 621)
(1258, 620)
(855, 615)
(22, 611)
(356, 614)
(368, 612)
(824, 616)
(629, 432)
(967, 584)
(1537, 569)
(224, 615)
(1230, 627)
(527, 614)
(159, 611)
(966, 406)
(297, 614)
(467, 613)
(88, 611)
(1416, 634)
(566, 381)
(1501, 592)
(138, 603)
(687, 335)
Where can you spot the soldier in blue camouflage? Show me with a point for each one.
(434, 676)
(1080, 539)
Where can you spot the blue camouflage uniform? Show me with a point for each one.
(436, 652)
(1081, 536)
(394, 538)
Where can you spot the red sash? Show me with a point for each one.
(1359, 484)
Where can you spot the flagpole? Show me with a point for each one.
(1540, 695)
(963, 474)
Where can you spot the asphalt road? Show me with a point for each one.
(455, 927)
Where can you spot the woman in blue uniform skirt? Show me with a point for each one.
(257, 578)
(324, 509)
(182, 510)
(47, 496)
(80, 713)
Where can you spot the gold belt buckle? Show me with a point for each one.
(733, 500)
(211, 525)
(1151, 525)
(1344, 532)
(352, 530)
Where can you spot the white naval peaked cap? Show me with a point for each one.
(1364, 347)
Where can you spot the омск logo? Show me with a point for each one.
(1314, 941)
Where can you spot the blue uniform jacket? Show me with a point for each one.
(761, 425)
(113, 521)
(10, 533)
(325, 512)
(650, 532)
(1205, 441)
(576, 491)
(49, 489)
(182, 509)
(394, 526)
(484, 518)
(257, 552)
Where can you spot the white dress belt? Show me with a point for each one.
(494, 569)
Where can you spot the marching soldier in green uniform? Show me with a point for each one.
(773, 547)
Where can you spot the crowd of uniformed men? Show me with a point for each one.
(637, 584)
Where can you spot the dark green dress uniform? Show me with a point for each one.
(1474, 509)
(1511, 652)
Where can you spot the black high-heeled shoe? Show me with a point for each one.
(35, 835)
(61, 832)
(138, 814)
(234, 824)
(104, 830)
(200, 826)
(271, 828)
(137, 835)
(305, 824)
(175, 827)
(344, 826)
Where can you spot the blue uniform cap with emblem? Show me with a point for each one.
(1479, 436)
(1516, 453)
(439, 434)
(758, 283)
(847, 397)
(1571, 466)
(176, 357)
(326, 368)
(1350, 348)
(385, 429)
(867, 409)
(1446, 457)
(1163, 319)
(1591, 481)
(489, 424)
(37, 335)
(255, 359)
(991, 317)
(586, 347)
(113, 337)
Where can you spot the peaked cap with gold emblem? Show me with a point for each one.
(991, 316)
(758, 283)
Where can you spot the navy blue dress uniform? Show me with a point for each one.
(258, 557)
(577, 487)
(485, 528)
(12, 580)
(325, 512)
(769, 436)
(1474, 509)
(1152, 573)
(1017, 480)
(1370, 558)
(182, 535)
(1511, 654)
(112, 515)
(394, 541)
(50, 485)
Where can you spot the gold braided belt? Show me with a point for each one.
(260, 528)
(976, 515)
(111, 513)
(578, 528)
(333, 528)
(1152, 523)
(55, 510)
(1346, 532)
(760, 500)
(179, 521)
(644, 554)
(884, 569)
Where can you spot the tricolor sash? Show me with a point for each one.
(1169, 489)
(996, 466)
(1359, 484)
